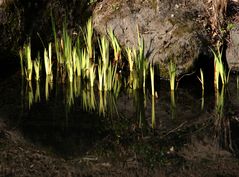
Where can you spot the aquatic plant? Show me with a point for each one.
(220, 72)
(25, 58)
(201, 79)
(48, 61)
(21, 61)
(104, 50)
(130, 58)
(115, 45)
(172, 74)
(152, 78)
(88, 38)
(57, 43)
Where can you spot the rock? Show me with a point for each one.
(172, 30)
(232, 52)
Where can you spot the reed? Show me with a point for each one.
(130, 58)
(69, 69)
(26, 56)
(57, 43)
(48, 60)
(84, 63)
(115, 45)
(220, 73)
(21, 61)
(104, 50)
(201, 79)
(172, 74)
(141, 65)
(88, 38)
(152, 78)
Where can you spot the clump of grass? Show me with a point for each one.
(172, 74)
(220, 72)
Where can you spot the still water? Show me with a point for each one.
(73, 120)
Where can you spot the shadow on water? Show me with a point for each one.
(74, 120)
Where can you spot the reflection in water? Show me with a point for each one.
(222, 125)
(202, 100)
(69, 96)
(173, 104)
(30, 95)
(48, 86)
(219, 101)
(37, 92)
(153, 112)
(139, 102)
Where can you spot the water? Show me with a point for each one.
(75, 121)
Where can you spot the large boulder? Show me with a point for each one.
(172, 30)
(232, 52)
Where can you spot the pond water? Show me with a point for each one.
(75, 121)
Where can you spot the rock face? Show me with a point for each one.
(172, 30)
(21, 20)
(232, 53)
